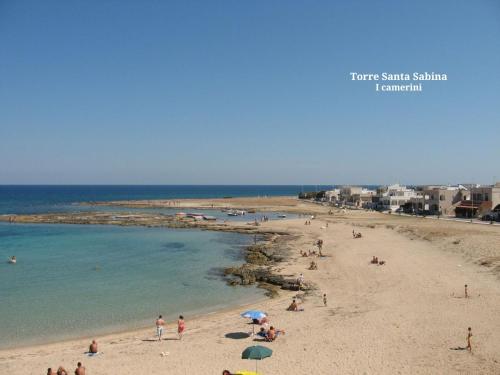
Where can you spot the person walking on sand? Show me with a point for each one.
(80, 370)
(466, 294)
(180, 326)
(469, 335)
(159, 327)
(324, 299)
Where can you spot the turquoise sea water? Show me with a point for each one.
(72, 281)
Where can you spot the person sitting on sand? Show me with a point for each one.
(226, 372)
(93, 347)
(80, 370)
(293, 306)
(381, 262)
(313, 266)
(61, 371)
(273, 333)
(374, 260)
(50, 371)
(262, 332)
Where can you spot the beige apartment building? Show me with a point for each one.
(479, 200)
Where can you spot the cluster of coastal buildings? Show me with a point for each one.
(467, 200)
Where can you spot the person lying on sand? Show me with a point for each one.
(260, 321)
(80, 370)
(93, 347)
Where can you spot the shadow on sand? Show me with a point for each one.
(237, 335)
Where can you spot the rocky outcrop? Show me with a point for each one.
(259, 268)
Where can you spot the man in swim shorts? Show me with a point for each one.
(159, 327)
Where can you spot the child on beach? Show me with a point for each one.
(180, 326)
(324, 299)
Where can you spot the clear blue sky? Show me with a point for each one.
(238, 92)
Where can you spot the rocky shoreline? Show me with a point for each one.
(260, 267)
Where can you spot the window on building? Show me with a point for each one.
(442, 197)
(486, 197)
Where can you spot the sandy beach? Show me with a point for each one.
(408, 316)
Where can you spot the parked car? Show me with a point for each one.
(491, 216)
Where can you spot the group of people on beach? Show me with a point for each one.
(160, 325)
(270, 334)
(80, 370)
(375, 260)
(312, 253)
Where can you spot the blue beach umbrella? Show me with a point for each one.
(254, 314)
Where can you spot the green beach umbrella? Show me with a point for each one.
(256, 352)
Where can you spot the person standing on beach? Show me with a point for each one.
(300, 280)
(469, 335)
(324, 299)
(180, 326)
(159, 327)
(466, 294)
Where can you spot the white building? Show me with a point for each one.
(395, 196)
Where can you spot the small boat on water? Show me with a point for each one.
(208, 217)
(194, 214)
(232, 213)
(282, 216)
(12, 260)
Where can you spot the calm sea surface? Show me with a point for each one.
(82, 280)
